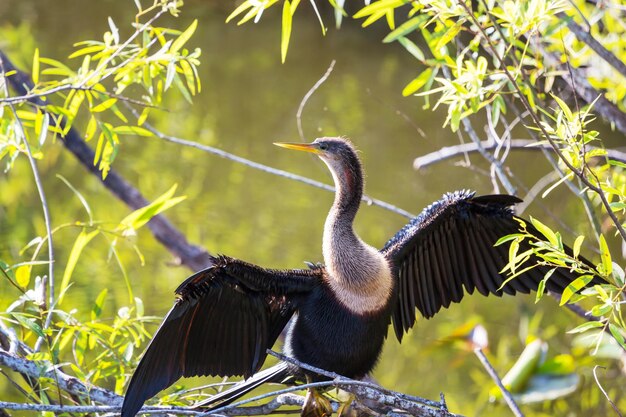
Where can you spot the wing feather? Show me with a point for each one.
(450, 246)
(223, 321)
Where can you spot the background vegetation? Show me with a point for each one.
(496, 75)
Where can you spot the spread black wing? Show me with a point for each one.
(450, 246)
(224, 320)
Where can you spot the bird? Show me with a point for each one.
(336, 314)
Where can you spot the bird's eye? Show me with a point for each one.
(323, 146)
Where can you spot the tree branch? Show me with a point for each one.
(586, 37)
(448, 152)
(65, 382)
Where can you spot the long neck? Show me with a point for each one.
(345, 254)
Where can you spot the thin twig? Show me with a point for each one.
(494, 375)
(44, 204)
(606, 395)
(308, 95)
(265, 168)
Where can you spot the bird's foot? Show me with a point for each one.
(316, 405)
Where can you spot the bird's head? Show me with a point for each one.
(340, 157)
(338, 153)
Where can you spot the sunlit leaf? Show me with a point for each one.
(184, 37)
(286, 30)
(96, 310)
(605, 256)
(575, 286)
(586, 326)
(141, 216)
(577, 245)
(104, 105)
(132, 130)
(22, 275)
(545, 231)
(35, 73)
(81, 241)
(417, 83)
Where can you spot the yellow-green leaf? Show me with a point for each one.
(417, 83)
(91, 128)
(575, 286)
(577, 245)
(240, 9)
(546, 232)
(132, 130)
(79, 244)
(141, 216)
(525, 366)
(184, 37)
(605, 255)
(22, 275)
(286, 30)
(104, 105)
(405, 28)
(35, 73)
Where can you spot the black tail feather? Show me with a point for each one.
(276, 373)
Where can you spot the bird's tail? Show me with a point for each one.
(277, 373)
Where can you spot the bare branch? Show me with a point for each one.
(496, 378)
(308, 95)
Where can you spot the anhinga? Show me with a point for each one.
(227, 316)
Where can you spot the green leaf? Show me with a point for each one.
(412, 48)
(541, 288)
(575, 286)
(605, 255)
(417, 83)
(96, 310)
(525, 366)
(184, 37)
(81, 241)
(586, 326)
(577, 245)
(449, 35)
(141, 216)
(405, 28)
(617, 334)
(546, 232)
(29, 323)
(286, 30)
(566, 110)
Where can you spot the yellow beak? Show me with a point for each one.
(307, 147)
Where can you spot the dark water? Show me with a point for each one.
(248, 101)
